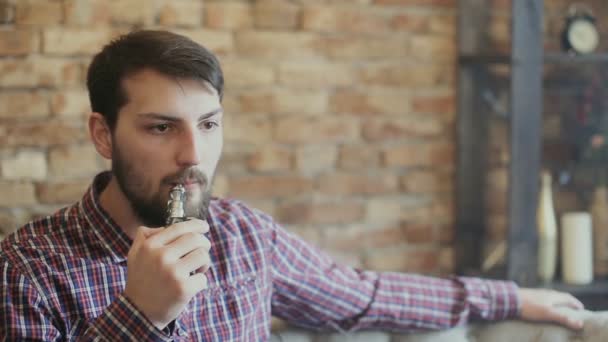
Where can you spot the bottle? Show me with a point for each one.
(599, 214)
(547, 230)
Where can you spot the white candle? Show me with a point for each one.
(577, 253)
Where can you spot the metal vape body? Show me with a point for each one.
(175, 205)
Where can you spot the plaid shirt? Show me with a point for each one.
(63, 278)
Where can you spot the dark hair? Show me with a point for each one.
(170, 54)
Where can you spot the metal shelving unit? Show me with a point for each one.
(525, 69)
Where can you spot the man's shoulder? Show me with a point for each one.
(235, 212)
(41, 234)
(233, 207)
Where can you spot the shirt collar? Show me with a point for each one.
(110, 235)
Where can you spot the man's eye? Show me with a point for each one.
(160, 128)
(209, 125)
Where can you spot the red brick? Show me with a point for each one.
(315, 74)
(41, 133)
(228, 15)
(362, 48)
(276, 14)
(25, 165)
(271, 158)
(73, 161)
(397, 209)
(427, 181)
(11, 220)
(284, 101)
(358, 237)
(419, 233)
(354, 157)
(269, 186)
(274, 44)
(61, 41)
(370, 102)
(434, 23)
(23, 104)
(404, 259)
(322, 213)
(131, 12)
(16, 193)
(430, 3)
(407, 75)
(33, 72)
(234, 158)
(246, 129)
(244, 73)
(38, 12)
(433, 48)
(345, 19)
(442, 208)
(386, 129)
(70, 103)
(357, 184)
(65, 192)
(219, 42)
(425, 154)
(445, 103)
(181, 13)
(447, 260)
(317, 129)
(87, 12)
(220, 186)
(18, 42)
(315, 158)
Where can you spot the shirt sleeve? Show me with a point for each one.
(312, 291)
(25, 315)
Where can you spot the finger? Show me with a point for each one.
(571, 302)
(186, 244)
(196, 283)
(560, 318)
(140, 237)
(174, 231)
(196, 260)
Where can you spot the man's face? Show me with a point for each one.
(169, 132)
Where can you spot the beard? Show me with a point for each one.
(151, 209)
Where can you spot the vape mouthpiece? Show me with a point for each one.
(175, 205)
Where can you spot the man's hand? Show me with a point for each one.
(159, 267)
(543, 305)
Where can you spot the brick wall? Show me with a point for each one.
(340, 114)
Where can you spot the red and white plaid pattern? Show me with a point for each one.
(63, 277)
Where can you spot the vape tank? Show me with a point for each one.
(175, 205)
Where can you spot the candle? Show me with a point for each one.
(577, 253)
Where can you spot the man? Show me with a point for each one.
(109, 268)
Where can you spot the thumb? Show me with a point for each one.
(141, 234)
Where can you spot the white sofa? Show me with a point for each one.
(595, 330)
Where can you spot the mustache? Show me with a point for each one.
(186, 176)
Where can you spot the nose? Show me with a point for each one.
(189, 148)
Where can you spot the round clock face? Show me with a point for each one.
(583, 36)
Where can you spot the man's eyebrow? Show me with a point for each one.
(210, 114)
(174, 118)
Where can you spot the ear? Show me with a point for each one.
(101, 135)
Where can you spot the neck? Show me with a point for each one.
(116, 204)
